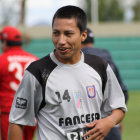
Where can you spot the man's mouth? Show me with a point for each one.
(63, 49)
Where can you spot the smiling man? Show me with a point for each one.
(67, 38)
(73, 95)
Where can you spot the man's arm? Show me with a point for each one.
(120, 80)
(15, 132)
(102, 127)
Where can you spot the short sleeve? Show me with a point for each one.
(113, 95)
(26, 101)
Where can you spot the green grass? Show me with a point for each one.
(131, 122)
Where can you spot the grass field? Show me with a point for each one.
(131, 122)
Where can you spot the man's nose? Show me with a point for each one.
(62, 39)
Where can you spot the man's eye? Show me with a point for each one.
(69, 34)
(55, 33)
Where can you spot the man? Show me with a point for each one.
(88, 47)
(67, 93)
(13, 62)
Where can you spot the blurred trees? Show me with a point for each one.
(6, 12)
(136, 10)
(22, 14)
(109, 10)
(89, 10)
(12, 12)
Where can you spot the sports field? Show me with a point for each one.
(131, 123)
(131, 130)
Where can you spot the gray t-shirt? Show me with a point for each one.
(64, 98)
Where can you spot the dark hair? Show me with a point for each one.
(90, 37)
(72, 12)
(14, 43)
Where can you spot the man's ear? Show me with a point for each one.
(84, 35)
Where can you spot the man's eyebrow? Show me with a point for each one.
(55, 30)
(66, 31)
(70, 31)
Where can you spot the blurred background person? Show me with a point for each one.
(88, 47)
(13, 62)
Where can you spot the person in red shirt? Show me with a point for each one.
(13, 62)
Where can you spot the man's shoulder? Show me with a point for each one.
(103, 53)
(99, 65)
(91, 50)
(3, 56)
(42, 68)
(29, 55)
(94, 60)
(44, 63)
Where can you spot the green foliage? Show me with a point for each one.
(88, 12)
(136, 9)
(102, 10)
(110, 10)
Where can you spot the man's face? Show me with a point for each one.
(67, 39)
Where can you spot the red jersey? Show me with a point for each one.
(13, 62)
